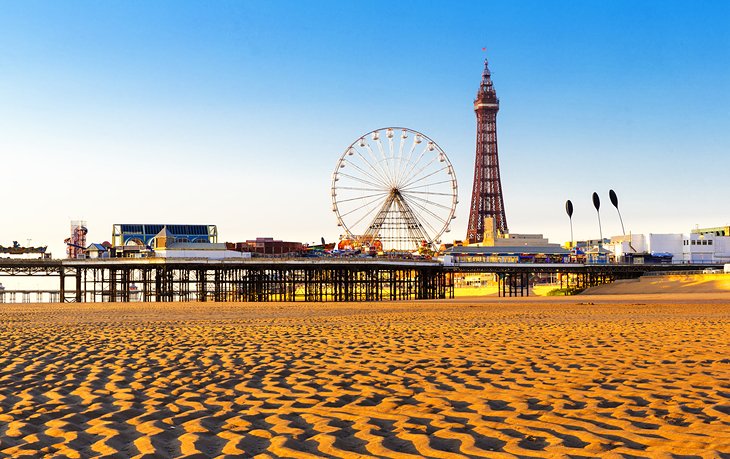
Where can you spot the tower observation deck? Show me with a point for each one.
(486, 196)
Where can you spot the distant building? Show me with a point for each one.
(142, 234)
(136, 239)
(495, 238)
(165, 245)
(716, 231)
(102, 250)
(506, 254)
(497, 247)
(699, 246)
(269, 246)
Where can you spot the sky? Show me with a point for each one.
(235, 113)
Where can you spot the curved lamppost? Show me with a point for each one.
(614, 201)
(569, 211)
(597, 205)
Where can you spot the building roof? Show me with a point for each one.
(506, 250)
(163, 232)
(98, 247)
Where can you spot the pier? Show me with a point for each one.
(157, 279)
(289, 280)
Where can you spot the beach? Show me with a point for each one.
(585, 376)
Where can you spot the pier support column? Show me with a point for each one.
(78, 285)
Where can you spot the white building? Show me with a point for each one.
(685, 248)
(706, 248)
(666, 243)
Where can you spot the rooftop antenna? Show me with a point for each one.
(614, 201)
(597, 205)
(569, 211)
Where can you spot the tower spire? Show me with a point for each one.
(486, 88)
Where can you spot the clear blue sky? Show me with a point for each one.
(234, 113)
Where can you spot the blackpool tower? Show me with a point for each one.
(486, 196)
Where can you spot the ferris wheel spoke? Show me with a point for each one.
(427, 184)
(413, 224)
(420, 171)
(386, 161)
(373, 177)
(359, 179)
(401, 144)
(429, 212)
(430, 193)
(370, 165)
(407, 161)
(425, 176)
(363, 197)
(433, 203)
(413, 165)
(426, 205)
(370, 212)
(391, 156)
(421, 222)
(377, 161)
(352, 188)
(360, 207)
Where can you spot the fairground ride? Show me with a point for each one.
(394, 188)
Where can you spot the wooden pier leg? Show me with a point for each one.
(62, 284)
(78, 285)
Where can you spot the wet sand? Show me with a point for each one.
(587, 376)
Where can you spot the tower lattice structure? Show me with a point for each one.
(486, 196)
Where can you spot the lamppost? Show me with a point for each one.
(614, 201)
(569, 211)
(597, 205)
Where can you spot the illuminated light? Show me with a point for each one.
(389, 133)
(376, 135)
(418, 139)
(431, 147)
(362, 141)
(404, 135)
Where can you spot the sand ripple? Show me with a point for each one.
(439, 380)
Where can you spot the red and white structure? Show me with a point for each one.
(486, 196)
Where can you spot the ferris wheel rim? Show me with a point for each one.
(408, 196)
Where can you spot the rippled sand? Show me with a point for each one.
(532, 378)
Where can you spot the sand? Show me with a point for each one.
(589, 376)
(676, 284)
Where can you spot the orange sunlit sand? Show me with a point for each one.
(585, 376)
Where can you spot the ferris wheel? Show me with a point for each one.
(394, 188)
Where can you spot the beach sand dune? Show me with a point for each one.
(573, 378)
